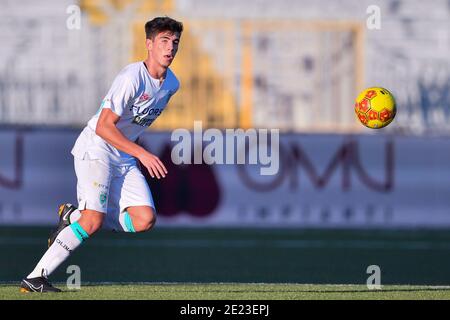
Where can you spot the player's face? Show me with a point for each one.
(164, 47)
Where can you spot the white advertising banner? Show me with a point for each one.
(323, 181)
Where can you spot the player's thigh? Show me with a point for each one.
(93, 189)
(93, 184)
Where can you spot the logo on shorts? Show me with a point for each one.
(102, 198)
(99, 185)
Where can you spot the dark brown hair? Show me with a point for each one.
(161, 24)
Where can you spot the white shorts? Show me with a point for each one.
(105, 188)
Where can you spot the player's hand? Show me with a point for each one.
(154, 166)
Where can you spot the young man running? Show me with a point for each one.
(111, 190)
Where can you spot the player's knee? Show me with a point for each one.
(93, 226)
(91, 222)
(96, 225)
(145, 222)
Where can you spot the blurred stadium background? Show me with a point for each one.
(346, 197)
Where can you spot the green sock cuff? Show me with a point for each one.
(79, 231)
(128, 222)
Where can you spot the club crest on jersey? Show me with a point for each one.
(144, 97)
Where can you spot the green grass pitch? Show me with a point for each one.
(240, 263)
(237, 291)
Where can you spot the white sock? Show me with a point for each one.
(66, 242)
(125, 222)
(74, 216)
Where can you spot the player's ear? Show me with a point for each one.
(149, 44)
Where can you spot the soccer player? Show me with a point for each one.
(111, 190)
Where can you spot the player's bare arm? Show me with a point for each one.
(107, 130)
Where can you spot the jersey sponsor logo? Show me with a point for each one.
(142, 112)
(142, 121)
(146, 117)
(155, 112)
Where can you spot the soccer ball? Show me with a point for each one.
(375, 107)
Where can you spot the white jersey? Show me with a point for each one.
(138, 99)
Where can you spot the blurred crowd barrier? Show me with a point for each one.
(323, 181)
(292, 65)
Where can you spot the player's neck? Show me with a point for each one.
(155, 70)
